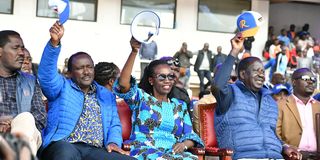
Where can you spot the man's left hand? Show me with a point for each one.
(292, 152)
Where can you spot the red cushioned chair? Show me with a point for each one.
(207, 132)
(125, 118)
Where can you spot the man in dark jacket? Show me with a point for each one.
(203, 66)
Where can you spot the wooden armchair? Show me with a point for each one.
(125, 118)
(207, 132)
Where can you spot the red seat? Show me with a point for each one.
(207, 132)
(125, 119)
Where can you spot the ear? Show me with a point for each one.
(242, 74)
(1, 50)
(110, 82)
(293, 83)
(151, 80)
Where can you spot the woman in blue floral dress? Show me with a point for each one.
(161, 127)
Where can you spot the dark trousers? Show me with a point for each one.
(62, 150)
(202, 74)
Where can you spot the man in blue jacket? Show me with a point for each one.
(246, 115)
(83, 121)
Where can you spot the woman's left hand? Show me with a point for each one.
(179, 147)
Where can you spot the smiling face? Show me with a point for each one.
(12, 55)
(253, 77)
(162, 80)
(82, 72)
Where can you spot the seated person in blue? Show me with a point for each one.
(83, 122)
(246, 114)
(161, 126)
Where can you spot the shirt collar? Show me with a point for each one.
(311, 100)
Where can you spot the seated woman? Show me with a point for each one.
(161, 126)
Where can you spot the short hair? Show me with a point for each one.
(246, 62)
(299, 72)
(149, 72)
(4, 36)
(75, 55)
(105, 71)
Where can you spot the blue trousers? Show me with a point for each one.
(204, 74)
(62, 150)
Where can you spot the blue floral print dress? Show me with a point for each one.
(157, 126)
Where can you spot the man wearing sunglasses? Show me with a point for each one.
(296, 122)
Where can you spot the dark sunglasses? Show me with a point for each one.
(162, 77)
(173, 62)
(308, 78)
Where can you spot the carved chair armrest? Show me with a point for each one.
(197, 150)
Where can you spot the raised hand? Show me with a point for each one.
(56, 33)
(236, 44)
(135, 45)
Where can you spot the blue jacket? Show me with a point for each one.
(245, 122)
(248, 130)
(66, 102)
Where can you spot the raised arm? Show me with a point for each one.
(223, 92)
(50, 80)
(125, 76)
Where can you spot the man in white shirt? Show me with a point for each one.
(204, 67)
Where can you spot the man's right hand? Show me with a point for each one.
(56, 33)
(236, 44)
(5, 123)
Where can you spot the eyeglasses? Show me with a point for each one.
(173, 62)
(308, 78)
(162, 77)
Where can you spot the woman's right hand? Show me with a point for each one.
(135, 45)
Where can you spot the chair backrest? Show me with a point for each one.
(206, 122)
(318, 131)
(125, 118)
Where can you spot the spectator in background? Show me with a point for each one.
(303, 60)
(296, 121)
(65, 68)
(291, 34)
(219, 58)
(22, 110)
(27, 62)
(305, 29)
(270, 32)
(247, 44)
(283, 37)
(184, 56)
(106, 73)
(279, 91)
(148, 52)
(203, 66)
(316, 58)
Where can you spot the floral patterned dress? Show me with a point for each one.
(157, 126)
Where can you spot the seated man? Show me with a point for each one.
(21, 108)
(83, 121)
(296, 122)
(246, 115)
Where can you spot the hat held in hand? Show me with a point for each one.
(248, 23)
